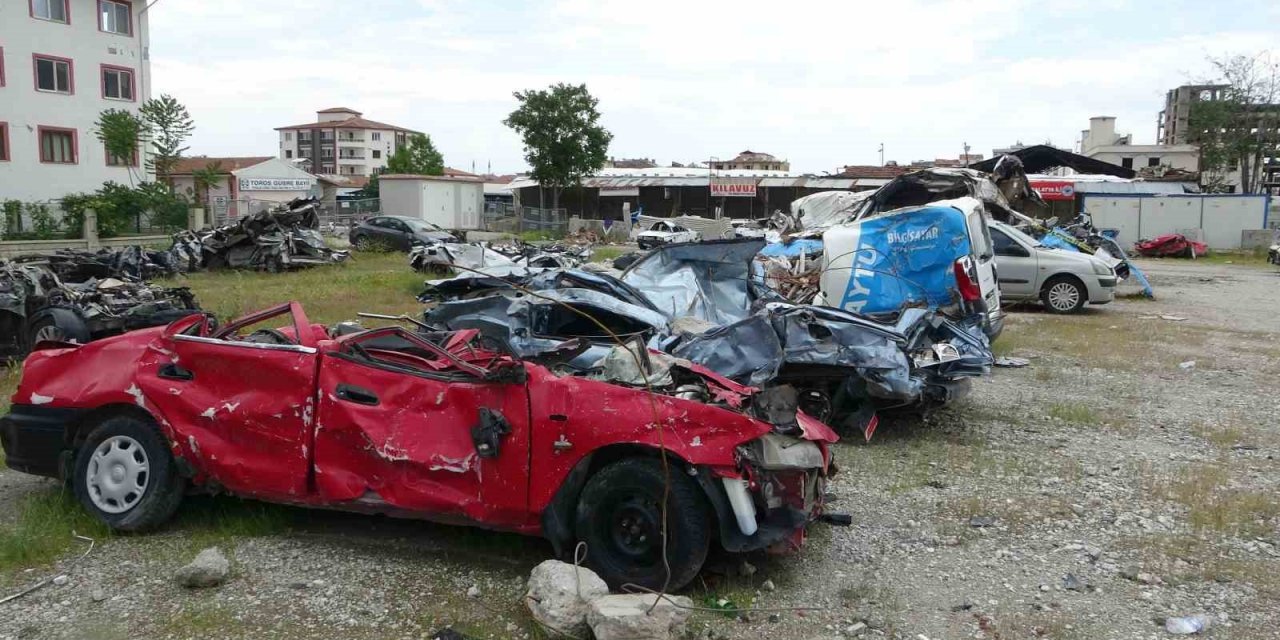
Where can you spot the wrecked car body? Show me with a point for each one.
(709, 303)
(448, 426)
(280, 239)
(1171, 245)
(37, 305)
(513, 259)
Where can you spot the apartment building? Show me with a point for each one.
(751, 161)
(62, 63)
(342, 142)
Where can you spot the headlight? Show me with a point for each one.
(1101, 268)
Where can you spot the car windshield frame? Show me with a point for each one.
(1017, 234)
(420, 226)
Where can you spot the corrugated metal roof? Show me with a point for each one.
(1163, 188)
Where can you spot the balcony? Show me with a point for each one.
(351, 140)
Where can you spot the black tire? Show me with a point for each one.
(57, 324)
(361, 243)
(1063, 294)
(163, 485)
(619, 516)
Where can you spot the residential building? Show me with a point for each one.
(630, 163)
(342, 142)
(1100, 141)
(751, 161)
(1172, 123)
(62, 63)
(964, 160)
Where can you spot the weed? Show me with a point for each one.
(1213, 504)
(607, 253)
(43, 529)
(211, 521)
(1073, 412)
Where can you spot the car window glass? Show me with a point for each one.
(678, 228)
(1005, 246)
(658, 226)
(397, 225)
(376, 222)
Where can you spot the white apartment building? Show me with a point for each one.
(342, 142)
(62, 63)
(1101, 141)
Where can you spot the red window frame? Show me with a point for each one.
(35, 73)
(4, 142)
(66, 9)
(133, 162)
(75, 143)
(133, 81)
(101, 27)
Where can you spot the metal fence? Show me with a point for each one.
(48, 220)
(510, 218)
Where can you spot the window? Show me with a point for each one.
(377, 154)
(116, 161)
(1126, 163)
(1006, 246)
(4, 141)
(115, 17)
(57, 146)
(51, 10)
(304, 136)
(326, 168)
(288, 136)
(304, 152)
(53, 74)
(375, 136)
(326, 152)
(288, 153)
(117, 83)
(326, 135)
(1153, 161)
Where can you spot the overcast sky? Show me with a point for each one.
(820, 84)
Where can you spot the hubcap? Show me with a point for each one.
(1063, 296)
(51, 332)
(117, 475)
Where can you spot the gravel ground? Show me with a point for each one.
(1092, 494)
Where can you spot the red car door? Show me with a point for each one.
(406, 424)
(240, 402)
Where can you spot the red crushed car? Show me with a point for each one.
(1171, 245)
(442, 426)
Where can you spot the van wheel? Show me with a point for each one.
(620, 518)
(1063, 294)
(125, 476)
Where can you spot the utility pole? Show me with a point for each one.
(964, 159)
(882, 154)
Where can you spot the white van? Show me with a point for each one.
(938, 255)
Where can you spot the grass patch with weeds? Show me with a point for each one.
(1077, 412)
(211, 521)
(377, 282)
(43, 529)
(1183, 559)
(606, 253)
(1213, 504)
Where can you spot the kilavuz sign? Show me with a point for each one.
(275, 184)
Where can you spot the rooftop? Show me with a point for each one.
(186, 166)
(340, 110)
(872, 171)
(355, 122)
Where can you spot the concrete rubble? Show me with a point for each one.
(636, 617)
(560, 595)
(209, 569)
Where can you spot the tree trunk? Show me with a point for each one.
(555, 198)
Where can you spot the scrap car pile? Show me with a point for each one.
(79, 296)
(280, 239)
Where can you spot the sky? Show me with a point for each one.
(822, 84)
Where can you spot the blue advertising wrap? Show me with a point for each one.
(918, 246)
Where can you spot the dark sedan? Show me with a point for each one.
(396, 232)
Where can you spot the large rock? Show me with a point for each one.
(627, 617)
(209, 569)
(559, 599)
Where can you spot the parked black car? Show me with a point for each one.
(397, 232)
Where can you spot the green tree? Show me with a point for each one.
(168, 126)
(417, 156)
(121, 133)
(563, 138)
(370, 189)
(1237, 131)
(206, 178)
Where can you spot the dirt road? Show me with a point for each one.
(1105, 487)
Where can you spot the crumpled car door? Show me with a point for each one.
(406, 424)
(240, 410)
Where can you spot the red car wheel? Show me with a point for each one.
(125, 476)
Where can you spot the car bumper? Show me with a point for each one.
(1102, 290)
(34, 438)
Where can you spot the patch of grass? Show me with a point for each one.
(535, 236)
(1090, 339)
(203, 620)
(1050, 625)
(606, 253)
(377, 282)
(42, 531)
(1073, 412)
(1256, 257)
(1182, 559)
(1213, 504)
(1220, 436)
(211, 521)
(9, 377)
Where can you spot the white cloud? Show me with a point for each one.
(822, 83)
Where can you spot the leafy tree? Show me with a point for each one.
(417, 156)
(168, 126)
(563, 138)
(121, 133)
(1238, 130)
(371, 188)
(206, 178)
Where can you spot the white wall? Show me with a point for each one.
(1222, 218)
(24, 177)
(452, 204)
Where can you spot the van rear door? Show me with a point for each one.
(983, 253)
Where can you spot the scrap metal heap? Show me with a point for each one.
(707, 303)
(82, 296)
(515, 257)
(287, 237)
